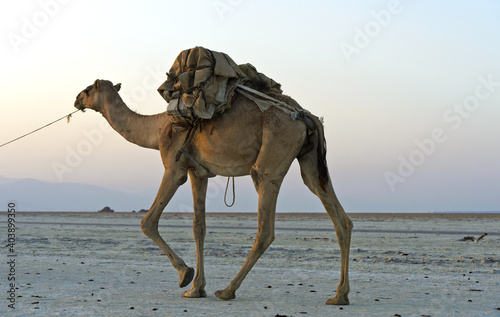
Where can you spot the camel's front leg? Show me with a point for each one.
(149, 224)
(199, 187)
(268, 193)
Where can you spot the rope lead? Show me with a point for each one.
(22, 136)
(225, 193)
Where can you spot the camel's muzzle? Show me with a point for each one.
(79, 105)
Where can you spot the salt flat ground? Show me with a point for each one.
(101, 264)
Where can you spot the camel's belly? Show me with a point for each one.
(225, 153)
(229, 146)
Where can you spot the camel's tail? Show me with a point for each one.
(321, 152)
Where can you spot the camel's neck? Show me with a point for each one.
(143, 130)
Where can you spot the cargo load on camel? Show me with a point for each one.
(201, 85)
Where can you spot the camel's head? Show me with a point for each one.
(93, 96)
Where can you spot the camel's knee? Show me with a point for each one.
(346, 225)
(264, 240)
(345, 231)
(349, 224)
(147, 227)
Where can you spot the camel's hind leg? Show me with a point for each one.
(268, 194)
(267, 174)
(149, 225)
(343, 225)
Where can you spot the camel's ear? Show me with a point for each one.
(96, 84)
(117, 87)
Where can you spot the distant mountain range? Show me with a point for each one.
(35, 195)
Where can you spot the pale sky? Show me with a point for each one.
(409, 91)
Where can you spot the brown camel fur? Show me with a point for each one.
(242, 141)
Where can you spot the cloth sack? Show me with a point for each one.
(200, 83)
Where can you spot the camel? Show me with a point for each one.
(242, 141)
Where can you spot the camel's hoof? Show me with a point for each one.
(225, 295)
(338, 301)
(186, 276)
(195, 293)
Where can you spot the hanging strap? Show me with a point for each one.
(210, 174)
(264, 101)
(225, 193)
